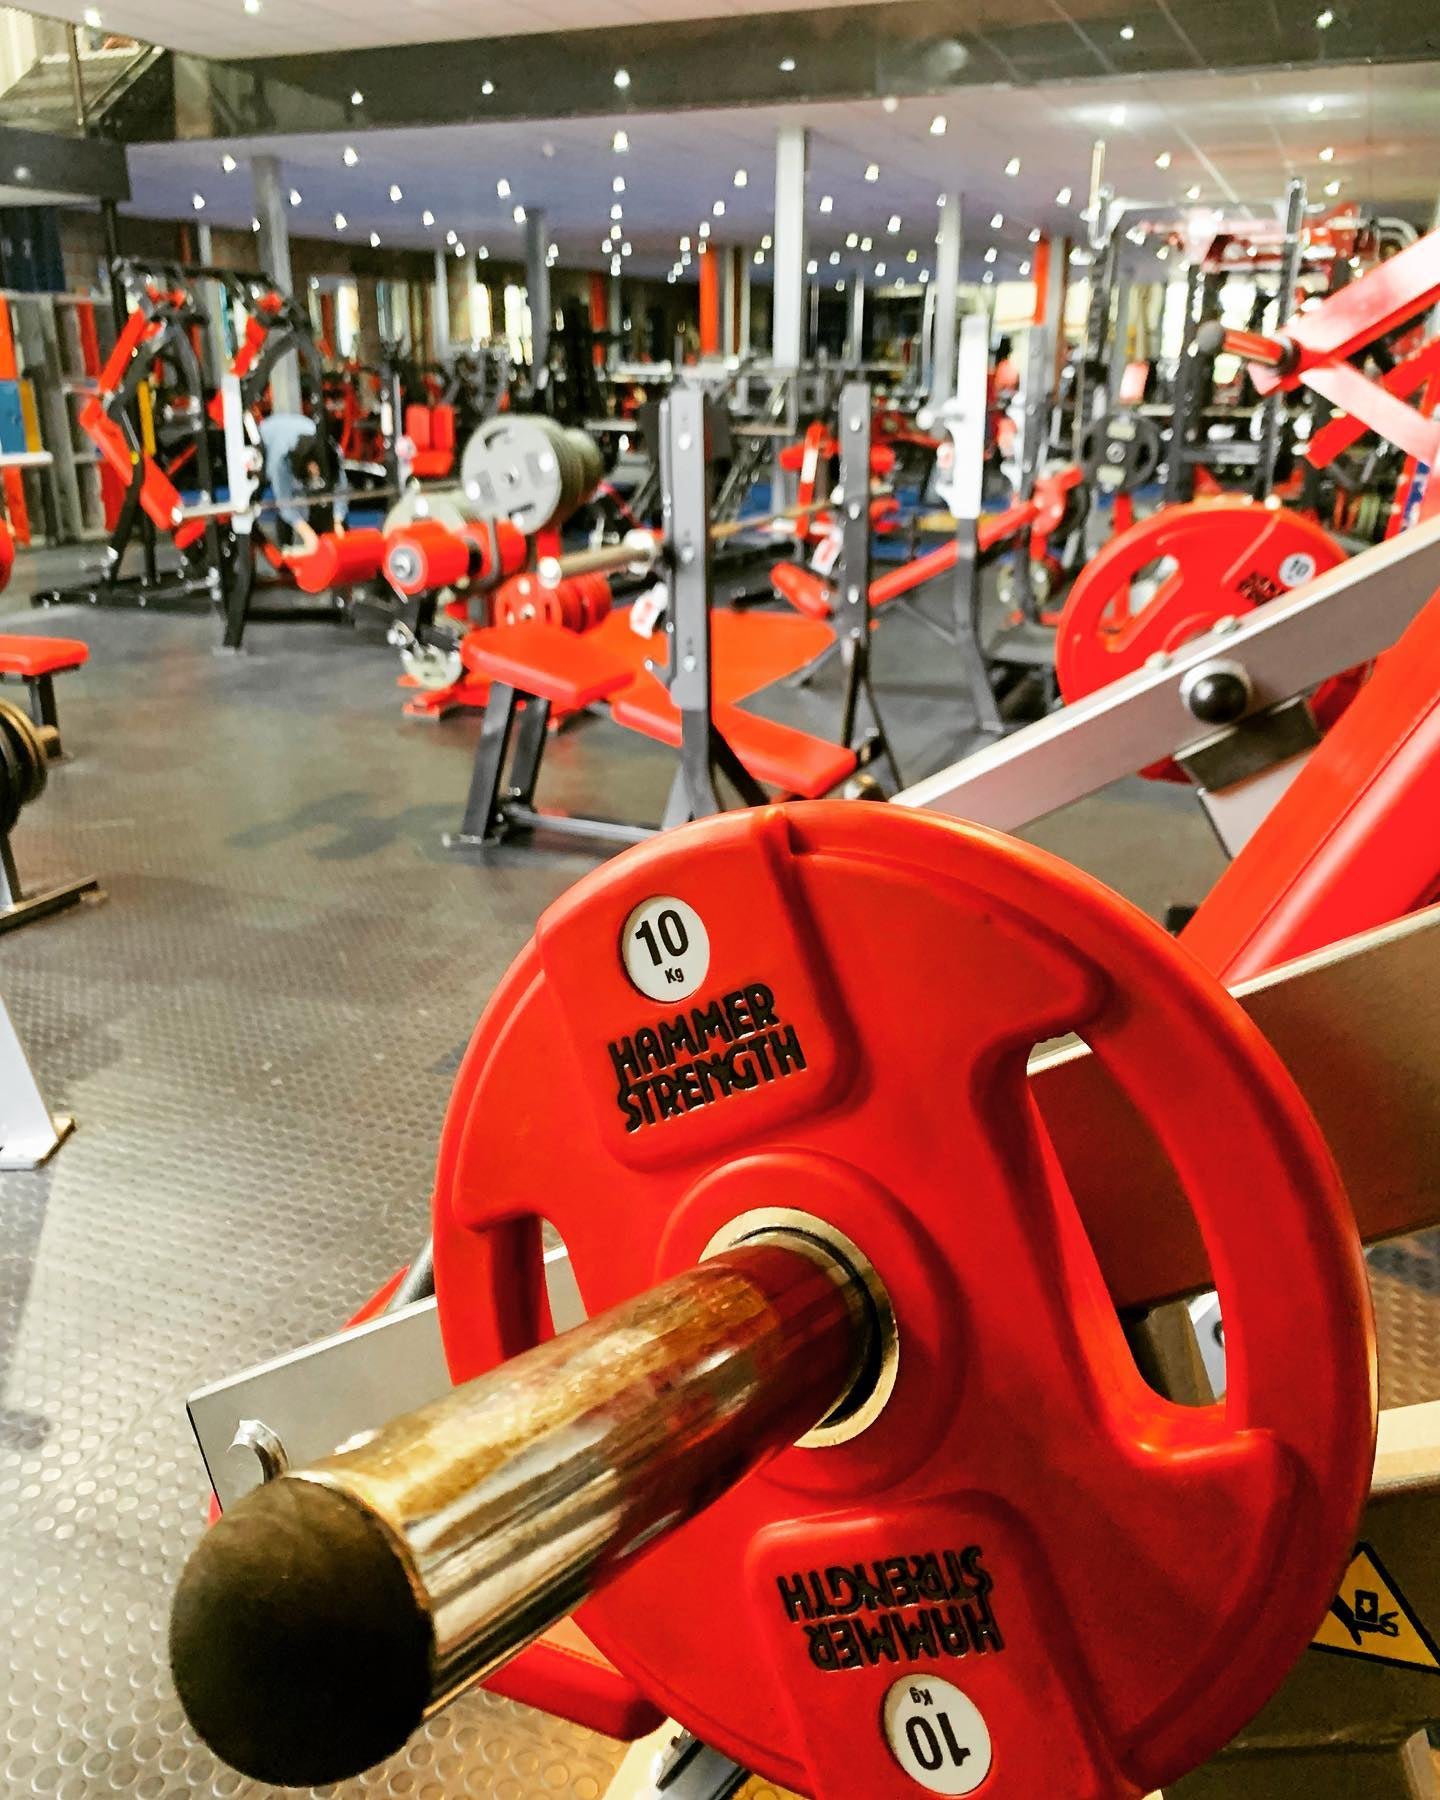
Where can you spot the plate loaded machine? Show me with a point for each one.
(501, 800)
(850, 1466)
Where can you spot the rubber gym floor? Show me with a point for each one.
(257, 1031)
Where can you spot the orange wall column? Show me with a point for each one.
(709, 303)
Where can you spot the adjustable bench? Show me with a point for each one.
(795, 762)
(37, 661)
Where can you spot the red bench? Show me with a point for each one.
(37, 661)
(570, 669)
(779, 755)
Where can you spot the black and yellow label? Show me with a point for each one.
(1372, 1619)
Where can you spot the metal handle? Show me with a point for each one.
(330, 1611)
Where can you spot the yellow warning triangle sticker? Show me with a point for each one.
(1370, 1618)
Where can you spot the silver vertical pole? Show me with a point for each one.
(729, 299)
(217, 351)
(947, 299)
(275, 260)
(616, 321)
(744, 342)
(787, 325)
(855, 349)
(440, 306)
(537, 285)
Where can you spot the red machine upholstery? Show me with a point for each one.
(1352, 844)
(571, 669)
(807, 591)
(432, 431)
(338, 559)
(28, 658)
(793, 761)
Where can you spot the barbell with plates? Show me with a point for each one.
(1175, 575)
(1121, 452)
(25, 753)
(850, 1470)
(525, 468)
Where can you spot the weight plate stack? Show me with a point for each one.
(24, 764)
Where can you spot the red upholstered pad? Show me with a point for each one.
(28, 657)
(749, 650)
(564, 1673)
(807, 592)
(793, 761)
(993, 532)
(1352, 843)
(432, 465)
(569, 668)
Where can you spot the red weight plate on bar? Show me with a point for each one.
(1093, 1587)
(1215, 559)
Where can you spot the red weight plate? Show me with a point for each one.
(1229, 557)
(7, 554)
(1112, 1584)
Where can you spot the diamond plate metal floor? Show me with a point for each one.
(257, 1031)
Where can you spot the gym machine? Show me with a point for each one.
(849, 1465)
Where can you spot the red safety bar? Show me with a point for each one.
(1352, 843)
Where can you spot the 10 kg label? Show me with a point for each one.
(937, 1736)
(666, 948)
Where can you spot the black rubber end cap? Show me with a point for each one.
(297, 1647)
(1210, 338)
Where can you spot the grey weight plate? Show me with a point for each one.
(512, 469)
(446, 505)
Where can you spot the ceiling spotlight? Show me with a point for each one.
(252, 7)
(1163, 253)
(374, 240)
(1035, 234)
(1127, 33)
(427, 218)
(685, 243)
(397, 193)
(1317, 105)
(459, 250)
(865, 245)
(937, 125)
(890, 103)
(228, 163)
(351, 156)
(834, 259)
(341, 222)
(1064, 197)
(1332, 188)
(617, 211)
(625, 249)
(893, 224)
(787, 65)
(1117, 115)
(767, 241)
(879, 271)
(1162, 161)
(452, 237)
(295, 196)
(357, 98)
(487, 88)
(1324, 20)
(758, 257)
(812, 268)
(617, 186)
(940, 199)
(990, 254)
(852, 240)
(619, 143)
(502, 188)
(622, 79)
(198, 202)
(987, 278)
(718, 209)
(924, 275)
(518, 215)
(547, 149)
(483, 253)
(872, 172)
(912, 256)
(255, 226)
(671, 278)
(1328, 153)
(92, 18)
(552, 250)
(1025, 268)
(705, 229)
(827, 203)
(997, 221)
(839, 287)
(742, 179)
(1013, 166)
(615, 265)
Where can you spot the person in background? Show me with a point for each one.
(299, 463)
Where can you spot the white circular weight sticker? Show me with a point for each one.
(1297, 569)
(936, 1735)
(666, 948)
